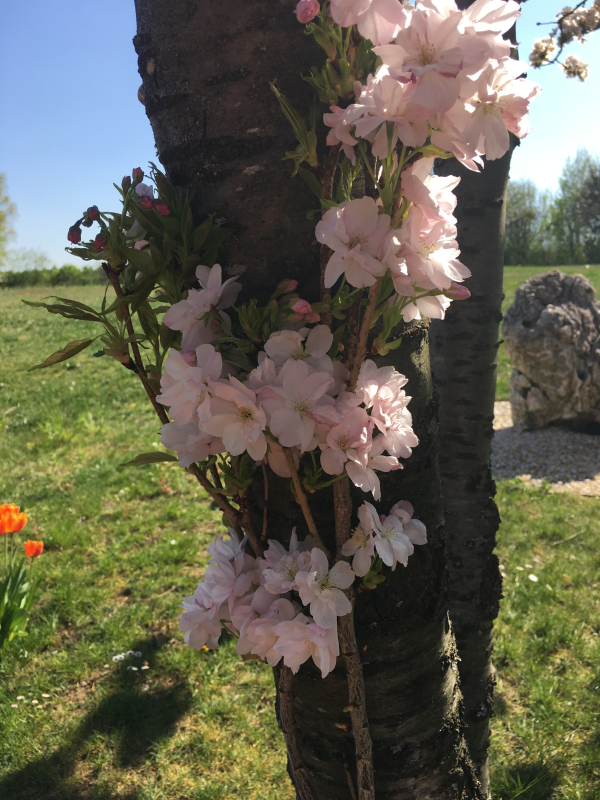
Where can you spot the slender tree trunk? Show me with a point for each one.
(219, 131)
(464, 350)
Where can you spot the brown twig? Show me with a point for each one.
(288, 726)
(357, 706)
(303, 501)
(350, 781)
(364, 335)
(233, 515)
(349, 650)
(353, 321)
(263, 535)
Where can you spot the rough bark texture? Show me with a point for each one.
(218, 129)
(464, 352)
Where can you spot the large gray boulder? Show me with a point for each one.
(552, 335)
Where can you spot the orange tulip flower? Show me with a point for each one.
(11, 521)
(33, 549)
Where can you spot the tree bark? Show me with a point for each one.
(206, 69)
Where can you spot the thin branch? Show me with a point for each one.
(350, 781)
(357, 706)
(247, 522)
(364, 334)
(288, 726)
(349, 650)
(215, 476)
(233, 515)
(303, 501)
(352, 323)
(263, 535)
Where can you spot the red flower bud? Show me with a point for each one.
(126, 183)
(138, 175)
(146, 202)
(74, 235)
(93, 212)
(99, 242)
(161, 207)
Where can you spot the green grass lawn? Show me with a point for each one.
(122, 547)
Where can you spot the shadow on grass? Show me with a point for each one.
(129, 722)
(524, 781)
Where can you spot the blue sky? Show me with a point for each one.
(71, 123)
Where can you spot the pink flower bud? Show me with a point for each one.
(126, 183)
(140, 245)
(74, 235)
(302, 307)
(287, 285)
(146, 202)
(307, 10)
(138, 175)
(93, 212)
(382, 518)
(99, 242)
(161, 207)
(458, 291)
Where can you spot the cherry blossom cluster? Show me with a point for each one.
(571, 23)
(285, 604)
(294, 398)
(421, 255)
(446, 74)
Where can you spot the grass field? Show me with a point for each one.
(124, 546)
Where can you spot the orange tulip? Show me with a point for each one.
(11, 521)
(33, 549)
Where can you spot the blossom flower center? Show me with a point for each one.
(493, 109)
(426, 248)
(303, 408)
(299, 355)
(344, 442)
(245, 414)
(426, 55)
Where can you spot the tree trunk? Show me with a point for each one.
(464, 350)
(206, 69)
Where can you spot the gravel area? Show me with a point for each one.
(569, 461)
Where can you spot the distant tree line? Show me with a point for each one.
(549, 229)
(67, 275)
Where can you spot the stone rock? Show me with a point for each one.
(552, 335)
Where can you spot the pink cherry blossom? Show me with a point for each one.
(354, 231)
(302, 402)
(383, 100)
(258, 636)
(362, 472)
(237, 419)
(188, 315)
(299, 639)
(361, 544)
(413, 528)
(344, 439)
(377, 20)
(281, 576)
(322, 587)
(201, 630)
(304, 345)
(500, 104)
(391, 543)
(341, 121)
(191, 444)
(307, 10)
(303, 312)
(185, 388)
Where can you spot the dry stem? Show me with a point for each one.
(364, 335)
(303, 501)
(349, 650)
(263, 535)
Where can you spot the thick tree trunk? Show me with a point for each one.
(206, 69)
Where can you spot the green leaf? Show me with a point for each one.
(200, 234)
(67, 311)
(311, 179)
(68, 351)
(156, 457)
